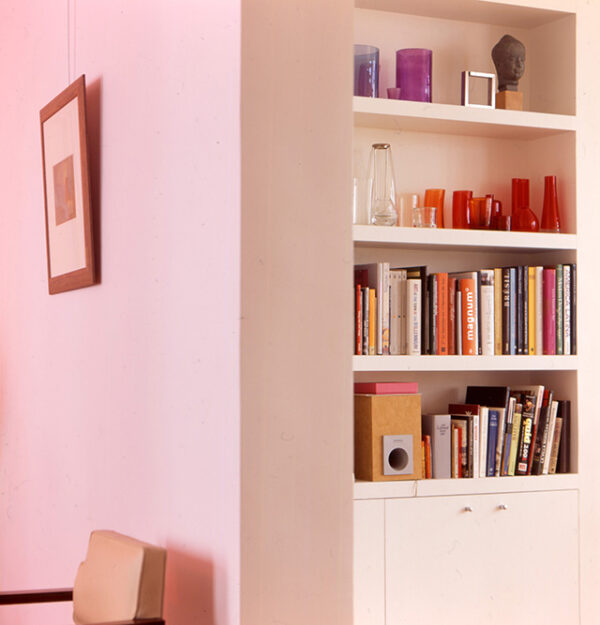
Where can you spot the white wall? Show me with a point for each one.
(119, 403)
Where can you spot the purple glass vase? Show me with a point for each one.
(366, 71)
(413, 74)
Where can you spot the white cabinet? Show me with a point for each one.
(467, 560)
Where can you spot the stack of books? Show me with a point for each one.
(506, 310)
(499, 431)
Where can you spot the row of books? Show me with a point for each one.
(498, 431)
(505, 310)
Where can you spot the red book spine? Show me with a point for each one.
(549, 319)
(451, 316)
(469, 317)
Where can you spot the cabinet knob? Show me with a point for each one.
(502, 506)
(467, 509)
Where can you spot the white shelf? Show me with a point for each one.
(458, 120)
(448, 238)
(473, 11)
(473, 486)
(464, 363)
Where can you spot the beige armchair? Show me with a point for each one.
(120, 581)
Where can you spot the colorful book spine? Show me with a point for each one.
(368, 318)
(498, 311)
(513, 310)
(567, 309)
(487, 312)
(526, 309)
(573, 311)
(491, 444)
(442, 299)
(559, 310)
(514, 442)
(451, 315)
(539, 310)
(547, 452)
(520, 299)
(359, 321)
(413, 317)
(372, 324)
(555, 446)
(549, 316)
(483, 439)
(469, 321)
(531, 309)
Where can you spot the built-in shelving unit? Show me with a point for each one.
(445, 145)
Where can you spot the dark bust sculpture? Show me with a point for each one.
(509, 58)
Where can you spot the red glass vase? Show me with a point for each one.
(523, 218)
(461, 213)
(550, 216)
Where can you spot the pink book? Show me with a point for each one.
(549, 320)
(386, 388)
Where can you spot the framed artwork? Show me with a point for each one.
(69, 241)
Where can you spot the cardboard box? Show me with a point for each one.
(387, 437)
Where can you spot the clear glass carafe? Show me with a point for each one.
(383, 187)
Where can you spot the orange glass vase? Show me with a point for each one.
(435, 198)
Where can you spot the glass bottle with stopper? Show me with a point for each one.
(383, 210)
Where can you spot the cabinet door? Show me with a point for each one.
(492, 559)
(369, 562)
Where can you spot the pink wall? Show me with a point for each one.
(119, 404)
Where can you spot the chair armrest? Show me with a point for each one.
(36, 596)
(137, 621)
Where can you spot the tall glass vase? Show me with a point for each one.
(383, 210)
(550, 216)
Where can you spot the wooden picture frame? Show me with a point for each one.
(69, 240)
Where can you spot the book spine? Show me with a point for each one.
(541, 435)
(500, 441)
(427, 473)
(555, 446)
(514, 442)
(368, 326)
(451, 316)
(526, 309)
(475, 444)
(487, 312)
(564, 450)
(372, 306)
(567, 309)
(483, 440)
(573, 311)
(508, 436)
(385, 309)
(547, 451)
(531, 309)
(469, 320)
(506, 310)
(513, 310)
(433, 315)
(442, 288)
(498, 311)
(455, 455)
(549, 310)
(359, 321)
(396, 313)
(520, 311)
(413, 317)
(539, 310)
(491, 445)
(525, 436)
(559, 310)
(459, 322)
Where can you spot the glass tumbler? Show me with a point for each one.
(413, 74)
(461, 210)
(366, 71)
(383, 187)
